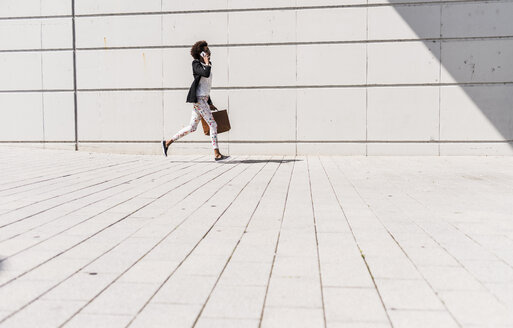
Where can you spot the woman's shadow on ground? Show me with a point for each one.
(245, 161)
(256, 161)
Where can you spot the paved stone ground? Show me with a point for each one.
(103, 240)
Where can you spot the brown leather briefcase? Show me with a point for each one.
(221, 118)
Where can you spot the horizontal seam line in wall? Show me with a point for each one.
(34, 17)
(266, 141)
(270, 87)
(307, 43)
(206, 11)
(35, 50)
(37, 141)
(457, 39)
(36, 90)
(472, 38)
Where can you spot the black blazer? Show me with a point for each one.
(198, 70)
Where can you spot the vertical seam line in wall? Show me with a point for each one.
(366, 78)
(228, 65)
(42, 78)
(162, 68)
(296, 100)
(439, 84)
(75, 102)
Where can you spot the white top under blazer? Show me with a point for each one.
(204, 85)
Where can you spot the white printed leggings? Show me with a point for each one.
(201, 109)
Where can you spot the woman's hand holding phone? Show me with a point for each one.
(205, 57)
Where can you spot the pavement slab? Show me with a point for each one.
(112, 240)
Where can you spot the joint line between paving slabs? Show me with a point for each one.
(196, 245)
(134, 179)
(55, 178)
(277, 242)
(60, 195)
(404, 252)
(456, 259)
(356, 241)
(445, 249)
(316, 242)
(34, 173)
(176, 227)
(53, 170)
(238, 242)
(124, 217)
(55, 206)
(70, 192)
(65, 176)
(464, 233)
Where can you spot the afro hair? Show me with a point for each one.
(197, 48)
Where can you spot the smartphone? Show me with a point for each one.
(203, 54)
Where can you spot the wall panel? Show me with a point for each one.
(349, 77)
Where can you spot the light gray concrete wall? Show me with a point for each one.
(349, 77)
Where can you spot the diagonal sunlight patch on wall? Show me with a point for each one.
(475, 50)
